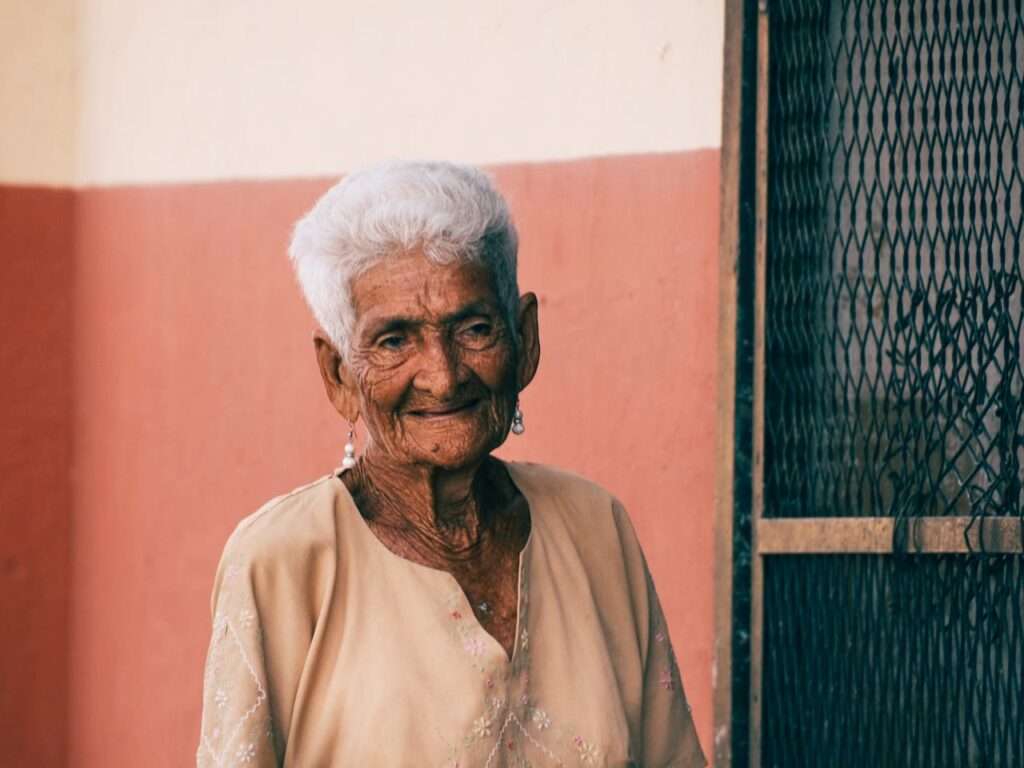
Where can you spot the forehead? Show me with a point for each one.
(412, 286)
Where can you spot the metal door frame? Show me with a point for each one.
(743, 537)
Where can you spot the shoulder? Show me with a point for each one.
(587, 524)
(274, 575)
(287, 531)
(561, 486)
(583, 506)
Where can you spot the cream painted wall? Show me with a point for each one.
(195, 89)
(37, 104)
(96, 92)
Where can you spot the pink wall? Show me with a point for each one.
(36, 232)
(196, 398)
(623, 254)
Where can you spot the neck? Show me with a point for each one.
(443, 508)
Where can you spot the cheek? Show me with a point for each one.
(496, 371)
(494, 367)
(381, 392)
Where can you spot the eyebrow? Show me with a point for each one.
(403, 323)
(469, 310)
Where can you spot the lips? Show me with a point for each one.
(444, 411)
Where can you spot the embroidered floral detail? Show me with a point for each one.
(511, 724)
(245, 753)
(236, 726)
(552, 758)
(482, 727)
(660, 636)
(666, 680)
(468, 634)
(588, 753)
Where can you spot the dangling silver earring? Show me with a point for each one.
(517, 421)
(350, 448)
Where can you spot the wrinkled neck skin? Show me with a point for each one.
(440, 517)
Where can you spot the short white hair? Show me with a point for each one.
(450, 213)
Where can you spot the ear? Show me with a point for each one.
(339, 382)
(529, 340)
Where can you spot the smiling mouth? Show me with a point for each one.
(439, 413)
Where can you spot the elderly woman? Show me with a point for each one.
(429, 604)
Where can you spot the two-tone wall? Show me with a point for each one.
(163, 381)
(36, 376)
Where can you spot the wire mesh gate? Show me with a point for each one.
(887, 510)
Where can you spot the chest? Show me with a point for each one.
(489, 578)
(462, 690)
(489, 581)
(492, 590)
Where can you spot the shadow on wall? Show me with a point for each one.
(36, 269)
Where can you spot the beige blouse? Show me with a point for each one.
(329, 650)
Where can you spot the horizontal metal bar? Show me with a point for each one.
(874, 535)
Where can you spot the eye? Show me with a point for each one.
(392, 342)
(477, 333)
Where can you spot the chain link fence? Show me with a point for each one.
(894, 377)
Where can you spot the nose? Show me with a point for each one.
(438, 374)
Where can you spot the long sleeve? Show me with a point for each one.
(237, 728)
(273, 581)
(670, 739)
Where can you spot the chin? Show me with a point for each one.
(455, 459)
(452, 463)
(451, 443)
(456, 454)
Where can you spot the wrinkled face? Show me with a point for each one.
(433, 360)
